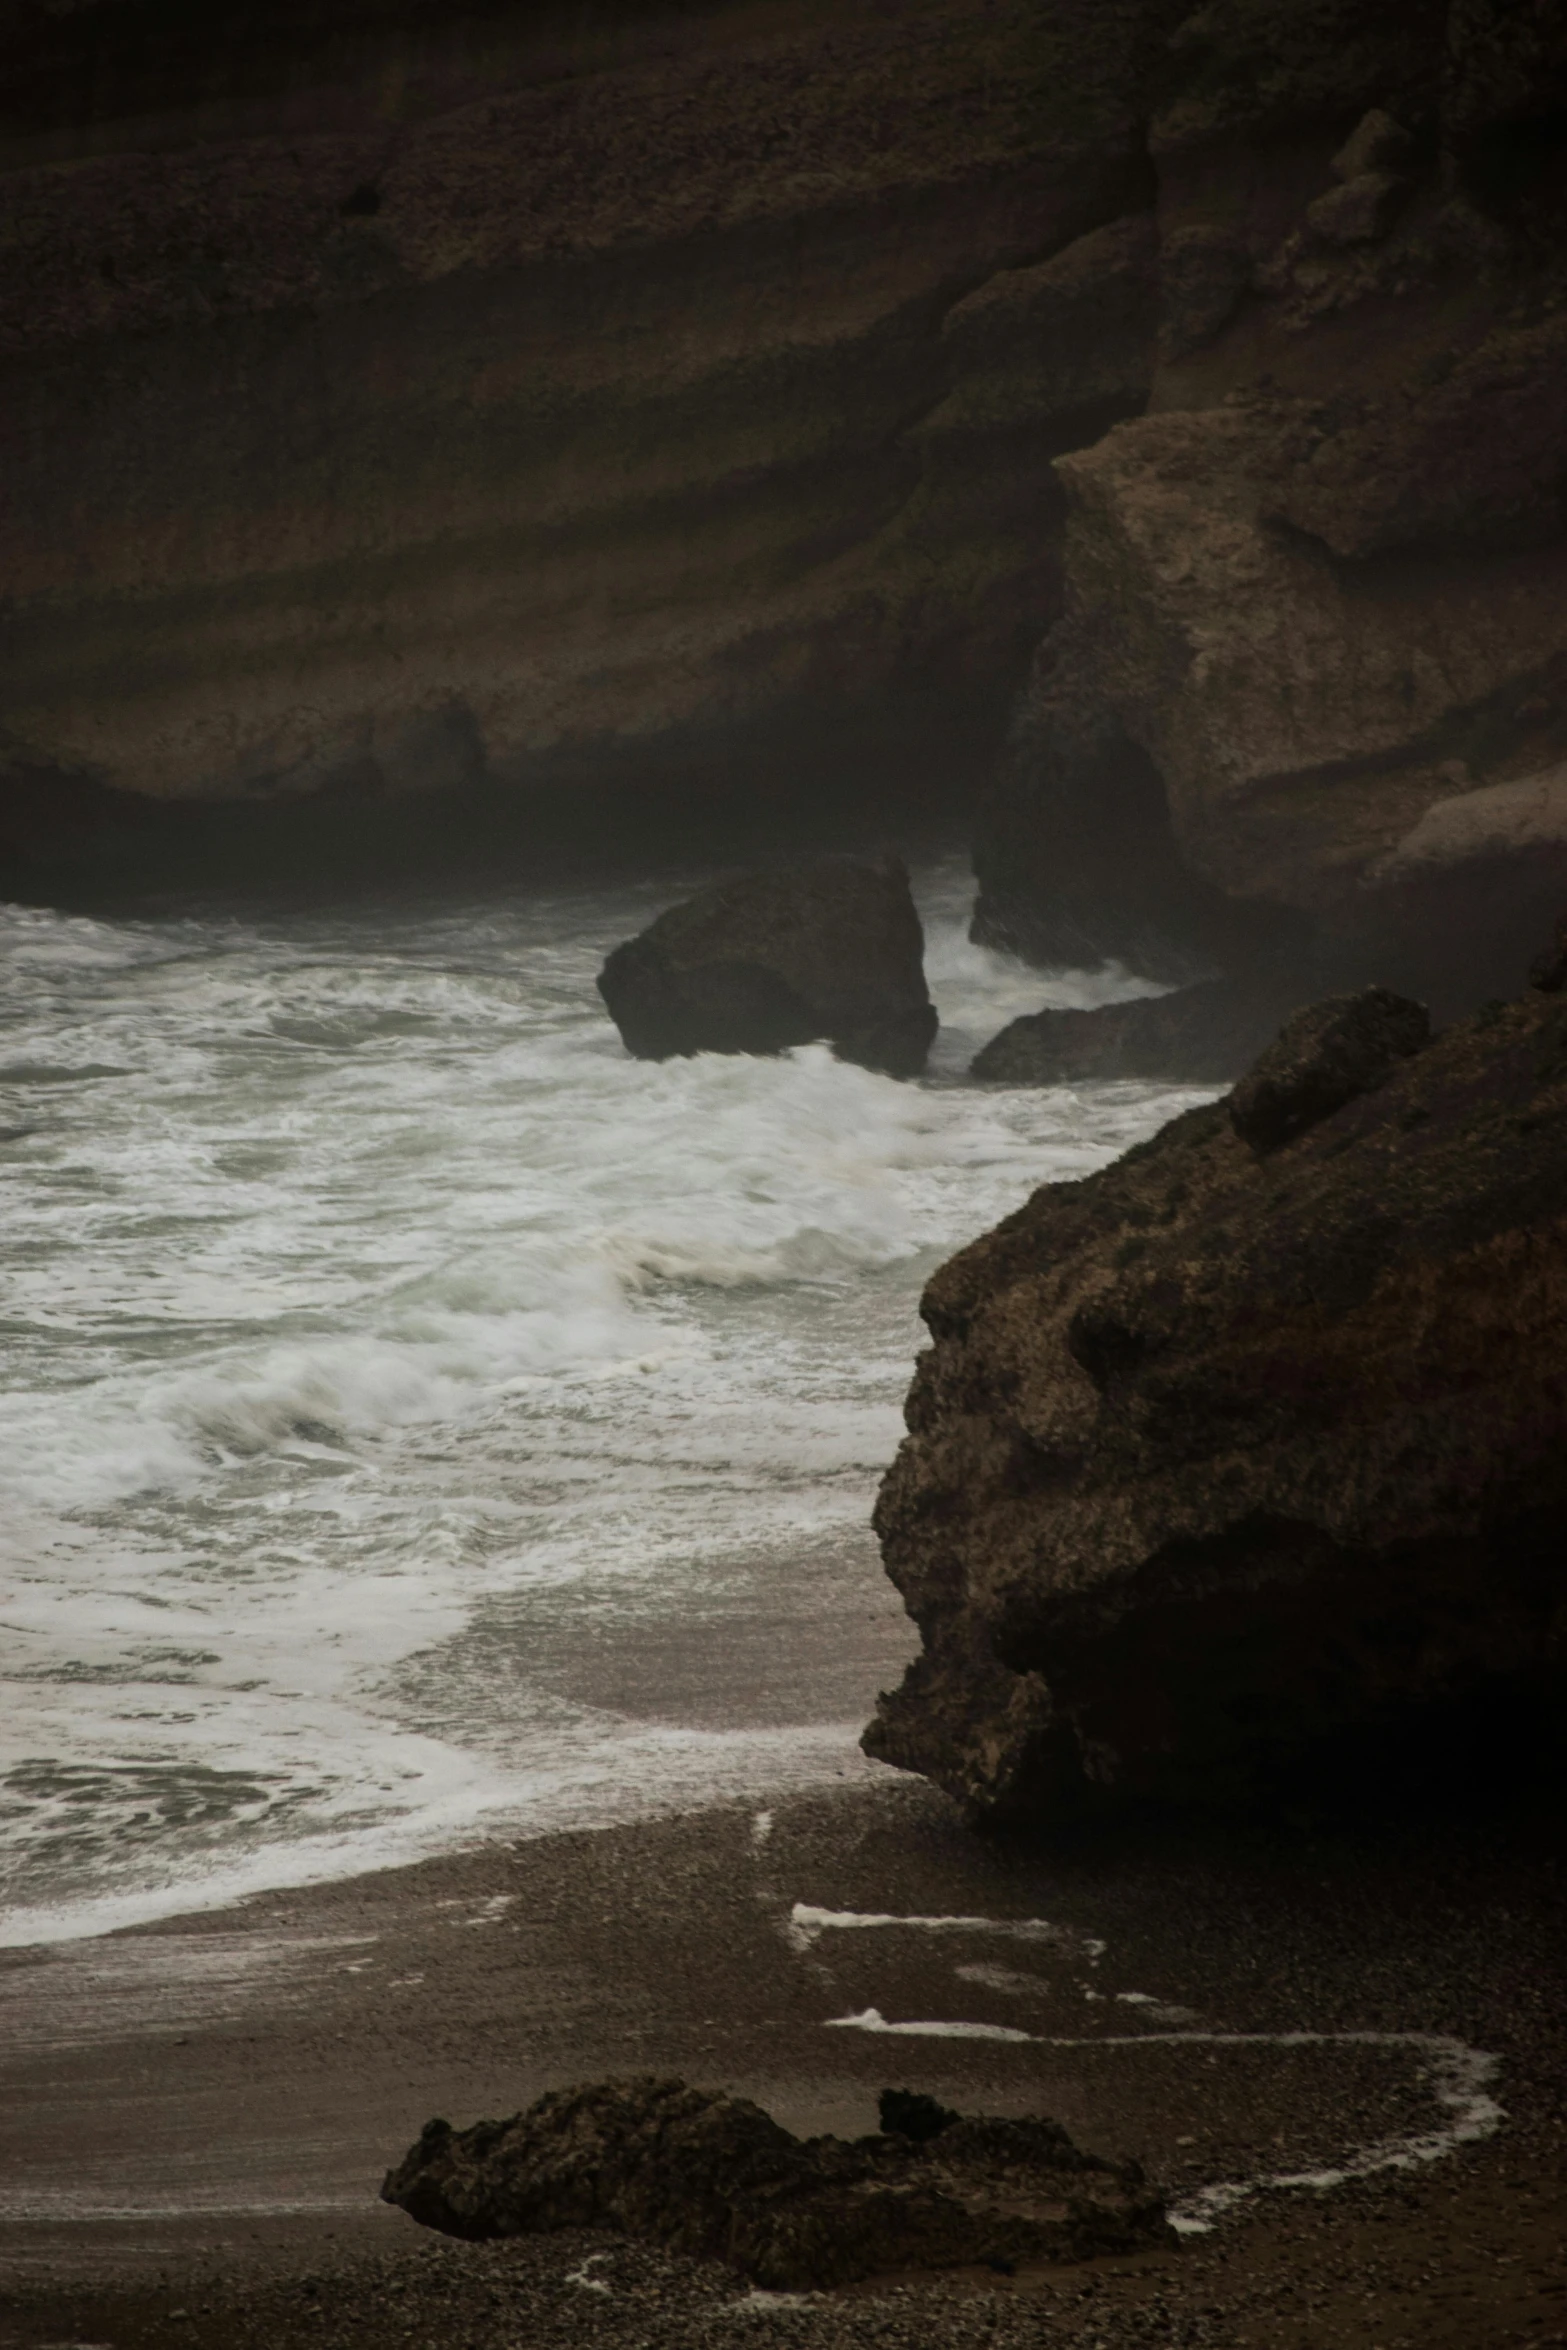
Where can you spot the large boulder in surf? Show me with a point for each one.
(1242, 1461)
(715, 2177)
(830, 949)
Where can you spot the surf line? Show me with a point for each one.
(1460, 2082)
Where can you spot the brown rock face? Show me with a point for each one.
(714, 2176)
(1321, 586)
(1326, 1056)
(1230, 733)
(1477, 458)
(1250, 1447)
(404, 410)
(404, 404)
(831, 949)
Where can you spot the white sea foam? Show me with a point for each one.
(606, 1775)
(871, 2019)
(807, 1925)
(1458, 2077)
(418, 1415)
(1011, 1980)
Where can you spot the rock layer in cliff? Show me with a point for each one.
(1247, 1452)
(412, 404)
(713, 2176)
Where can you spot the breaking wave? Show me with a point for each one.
(385, 1349)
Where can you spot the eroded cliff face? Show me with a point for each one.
(397, 404)
(1308, 692)
(400, 406)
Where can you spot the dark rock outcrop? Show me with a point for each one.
(1203, 1035)
(1319, 589)
(908, 2113)
(1231, 1459)
(831, 949)
(715, 2177)
(1062, 350)
(1473, 456)
(1233, 736)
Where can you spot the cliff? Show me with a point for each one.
(410, 413)
(400, 404)
(1308, 692)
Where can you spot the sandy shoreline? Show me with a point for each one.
(199, 2112)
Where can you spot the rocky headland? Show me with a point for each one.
(1240, 1462)
(1140, 428)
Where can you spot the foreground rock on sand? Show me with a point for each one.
(830, 949)
(714, 2176)
(1248, 1450)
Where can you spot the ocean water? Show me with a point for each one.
(420, 1420)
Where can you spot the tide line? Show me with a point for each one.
(1461, 2079)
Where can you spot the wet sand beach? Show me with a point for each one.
(199, 2112)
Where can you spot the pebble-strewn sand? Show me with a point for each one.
(198, 2114)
